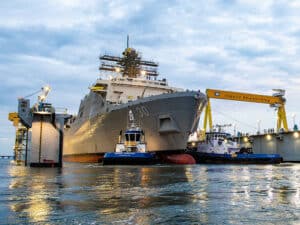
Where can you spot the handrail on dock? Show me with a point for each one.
(6, 157)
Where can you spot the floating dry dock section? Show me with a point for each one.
(286, 144)
(39, 133)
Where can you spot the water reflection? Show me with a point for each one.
(33, 192)
(206, 194)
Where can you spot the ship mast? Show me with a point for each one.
(127, 41)
(129, 65)
(131, 119)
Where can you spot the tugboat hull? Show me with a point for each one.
(129, 158)
(212, 158)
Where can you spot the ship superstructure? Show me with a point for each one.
(134, 78)
(167, 114)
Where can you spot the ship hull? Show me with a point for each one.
(166, 119)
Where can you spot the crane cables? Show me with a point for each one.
(34, 93)
(232, 118)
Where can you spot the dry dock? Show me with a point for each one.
(286, 144)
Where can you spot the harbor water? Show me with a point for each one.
(160, 194)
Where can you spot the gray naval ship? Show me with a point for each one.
(167, 115)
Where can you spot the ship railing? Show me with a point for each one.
(61, 110)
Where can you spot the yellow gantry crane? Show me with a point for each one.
(277, 101)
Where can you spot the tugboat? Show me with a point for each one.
(132, 150)
(219, 147)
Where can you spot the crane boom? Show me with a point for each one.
(244, 97)
(277, 101)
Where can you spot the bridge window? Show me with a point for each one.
(133, 137)
(138, 137)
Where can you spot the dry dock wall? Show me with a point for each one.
(45, 140)
(285, 144)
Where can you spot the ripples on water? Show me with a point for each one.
(194, 194)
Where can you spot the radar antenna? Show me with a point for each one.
(130, 64)
(220, 127)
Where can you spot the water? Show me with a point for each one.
(193, 194)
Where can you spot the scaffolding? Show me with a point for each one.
(21, 140)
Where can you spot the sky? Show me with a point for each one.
(239, 45)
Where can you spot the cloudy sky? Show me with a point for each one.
(242, 45)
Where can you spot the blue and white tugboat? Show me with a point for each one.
(132, 150)
(219, 147)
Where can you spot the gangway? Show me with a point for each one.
(276, 101)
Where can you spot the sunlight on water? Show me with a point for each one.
(196, 194)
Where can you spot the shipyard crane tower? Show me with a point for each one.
(22, 122)
(21, 138)
(276, 101)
